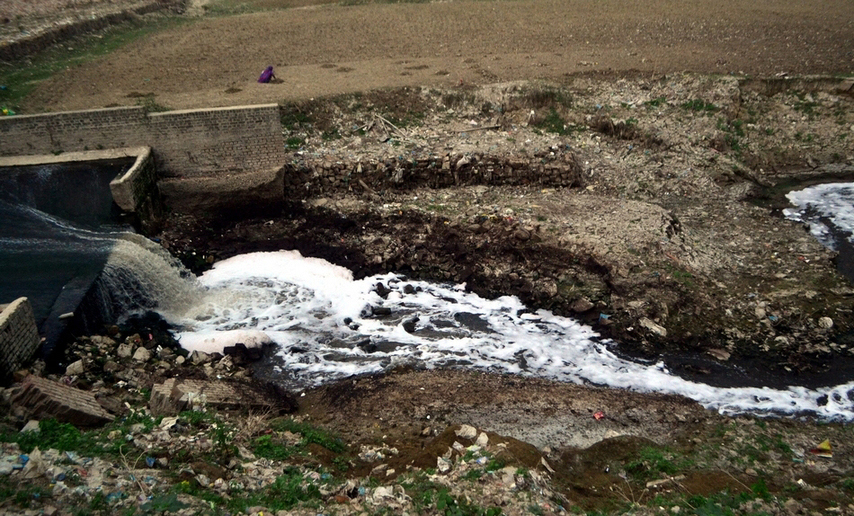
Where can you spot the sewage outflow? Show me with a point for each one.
(328, 326)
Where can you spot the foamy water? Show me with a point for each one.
(329, 326)
(823, 206)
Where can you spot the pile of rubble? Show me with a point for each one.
(133, 424)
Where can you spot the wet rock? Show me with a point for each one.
(142, 355)
(382, 291)
(125, 350)
(199, 357)
(653, 327)
(720, 354)
(581, 305)
(242, 354)
(75, 368)
(381, 311)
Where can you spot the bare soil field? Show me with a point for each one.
(321, 50)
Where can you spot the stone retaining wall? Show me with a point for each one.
(308, 177)
(19, 336)
(132, 189)
(193, 143)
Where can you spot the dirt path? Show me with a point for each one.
(325, 50)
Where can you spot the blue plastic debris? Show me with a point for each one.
(604, 316)
(773, 318)
(150, 461)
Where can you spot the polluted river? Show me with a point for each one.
(326, 325)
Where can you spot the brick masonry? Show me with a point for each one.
(19, 336)
(186, 144)
(174, 396)
(44, 398)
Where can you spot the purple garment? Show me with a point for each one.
(266, 75)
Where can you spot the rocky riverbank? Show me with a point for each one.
(174, 437)
(646, 206)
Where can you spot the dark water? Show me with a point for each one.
(56, 230)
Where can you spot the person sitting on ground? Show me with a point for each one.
(267, 75)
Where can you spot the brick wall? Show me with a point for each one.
(19, 336)
(192, 143)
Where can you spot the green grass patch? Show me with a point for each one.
(700, 105)
(293, 116)
(163, 503)
(295, 142)
(310, 434)
(473, 474)
(267, 447)
(495, 464)
(22, 495)
(660, 101)
(448, 505)
(289, 490)
(654, 463)
(554, 123)
(56, 435)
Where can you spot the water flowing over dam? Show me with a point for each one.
(58, 227)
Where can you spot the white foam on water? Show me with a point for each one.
(327, 328)
(832, 202)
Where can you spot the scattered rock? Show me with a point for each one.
(125, 350)
(75, 368)
(581, 305)
(653, 327)
(467, 432)
(142, 355)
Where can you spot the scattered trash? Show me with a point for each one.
(150, 461)
(823, 450)
(599, 415)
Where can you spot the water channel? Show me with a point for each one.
(328, 326)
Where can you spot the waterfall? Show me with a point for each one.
(140, 275)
